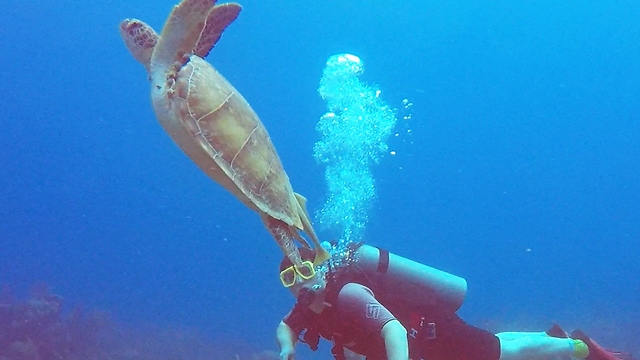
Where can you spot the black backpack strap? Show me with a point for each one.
(383, 261)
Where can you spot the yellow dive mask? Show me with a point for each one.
(306, 271)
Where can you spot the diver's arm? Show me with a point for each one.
(395, 340)
(287, 341)
(357, 303)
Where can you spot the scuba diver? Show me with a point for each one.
(386, 307)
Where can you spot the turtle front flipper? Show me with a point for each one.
(139, 38)
(218, 19)
(180, 33)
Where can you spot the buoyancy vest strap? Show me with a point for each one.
(383, 262)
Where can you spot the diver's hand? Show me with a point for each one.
(287, 354)
(287, 341)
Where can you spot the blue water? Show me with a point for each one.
(520, 173)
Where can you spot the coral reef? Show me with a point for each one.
(39, 329)
(35, 330)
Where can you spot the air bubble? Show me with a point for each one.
(352, 141)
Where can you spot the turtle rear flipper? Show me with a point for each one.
(218, 19)
(321, 253)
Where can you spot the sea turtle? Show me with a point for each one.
(212, 123)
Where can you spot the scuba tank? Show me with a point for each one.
(406, 281)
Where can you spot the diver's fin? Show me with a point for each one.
(596, 352)
(556, 331)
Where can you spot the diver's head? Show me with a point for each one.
(303, 279)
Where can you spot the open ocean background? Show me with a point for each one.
(521, 172)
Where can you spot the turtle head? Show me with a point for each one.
(140, 39)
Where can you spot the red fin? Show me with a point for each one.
(596, 352)
(556, 331)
